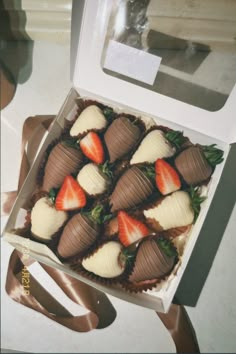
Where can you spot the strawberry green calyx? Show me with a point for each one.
(98, 215)
(167, 247)
(108, 113)
(136, 121)
(127, 256)
(196, 201)
(176, 138)
(106, 169)
(71, 142)
(213, 155)
(53, 194)
(149, 171)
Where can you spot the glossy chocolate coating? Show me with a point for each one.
(78, 235)
(121, 137)
(151, 262)
(132, 188)
(62, 161)
(193, 166)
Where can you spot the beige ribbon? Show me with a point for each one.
(180, 328)
(102, 313)
(33, 131)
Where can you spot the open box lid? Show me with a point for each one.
(96, 53)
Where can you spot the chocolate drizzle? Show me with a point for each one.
(62, 161)
(193, 166)
(78, 235)
(132, 188)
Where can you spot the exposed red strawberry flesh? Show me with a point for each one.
(167, 179)
(70, 196)
(92, 147)
(130, 229)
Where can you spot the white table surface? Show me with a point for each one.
(135, 329)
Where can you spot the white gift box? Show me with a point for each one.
(91, 52)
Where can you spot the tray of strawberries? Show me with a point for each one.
(114, 195)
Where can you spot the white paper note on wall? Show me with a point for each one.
(131, 62)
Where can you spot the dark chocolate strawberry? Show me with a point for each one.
(63, 160)
(155, 259)
(133, 188)
(81, 231)
(121, 137)
(196, 163)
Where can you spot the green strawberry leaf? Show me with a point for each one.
(106, 169)
(167, 247)
(98, 214)
(149, 171)
(107, 217)
(128, 257)
(196, 201)
(53, 194)
(71, 142)
(213, 155)
(176, 138)
(108, 113)
(136, 121)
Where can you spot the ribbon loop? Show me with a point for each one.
(39, 299)
(179, 325)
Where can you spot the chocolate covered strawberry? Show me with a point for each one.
(157, 145)
(63, 160)
(91, 118)
(121, 137)
(133, 188)
(130, 229)
(177, 209)
(107, 261)
(196, 163)
(92, 147)
(70, 196)
(46, 220)
(81, 231)
(167, 179)
(94, 179)
(155, 259)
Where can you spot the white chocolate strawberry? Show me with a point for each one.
(154, 146)
(45, 219)
(92, 179)
(175, 210)
(106, 262)
(92, 117)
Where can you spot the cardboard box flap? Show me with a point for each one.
(89, 34)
